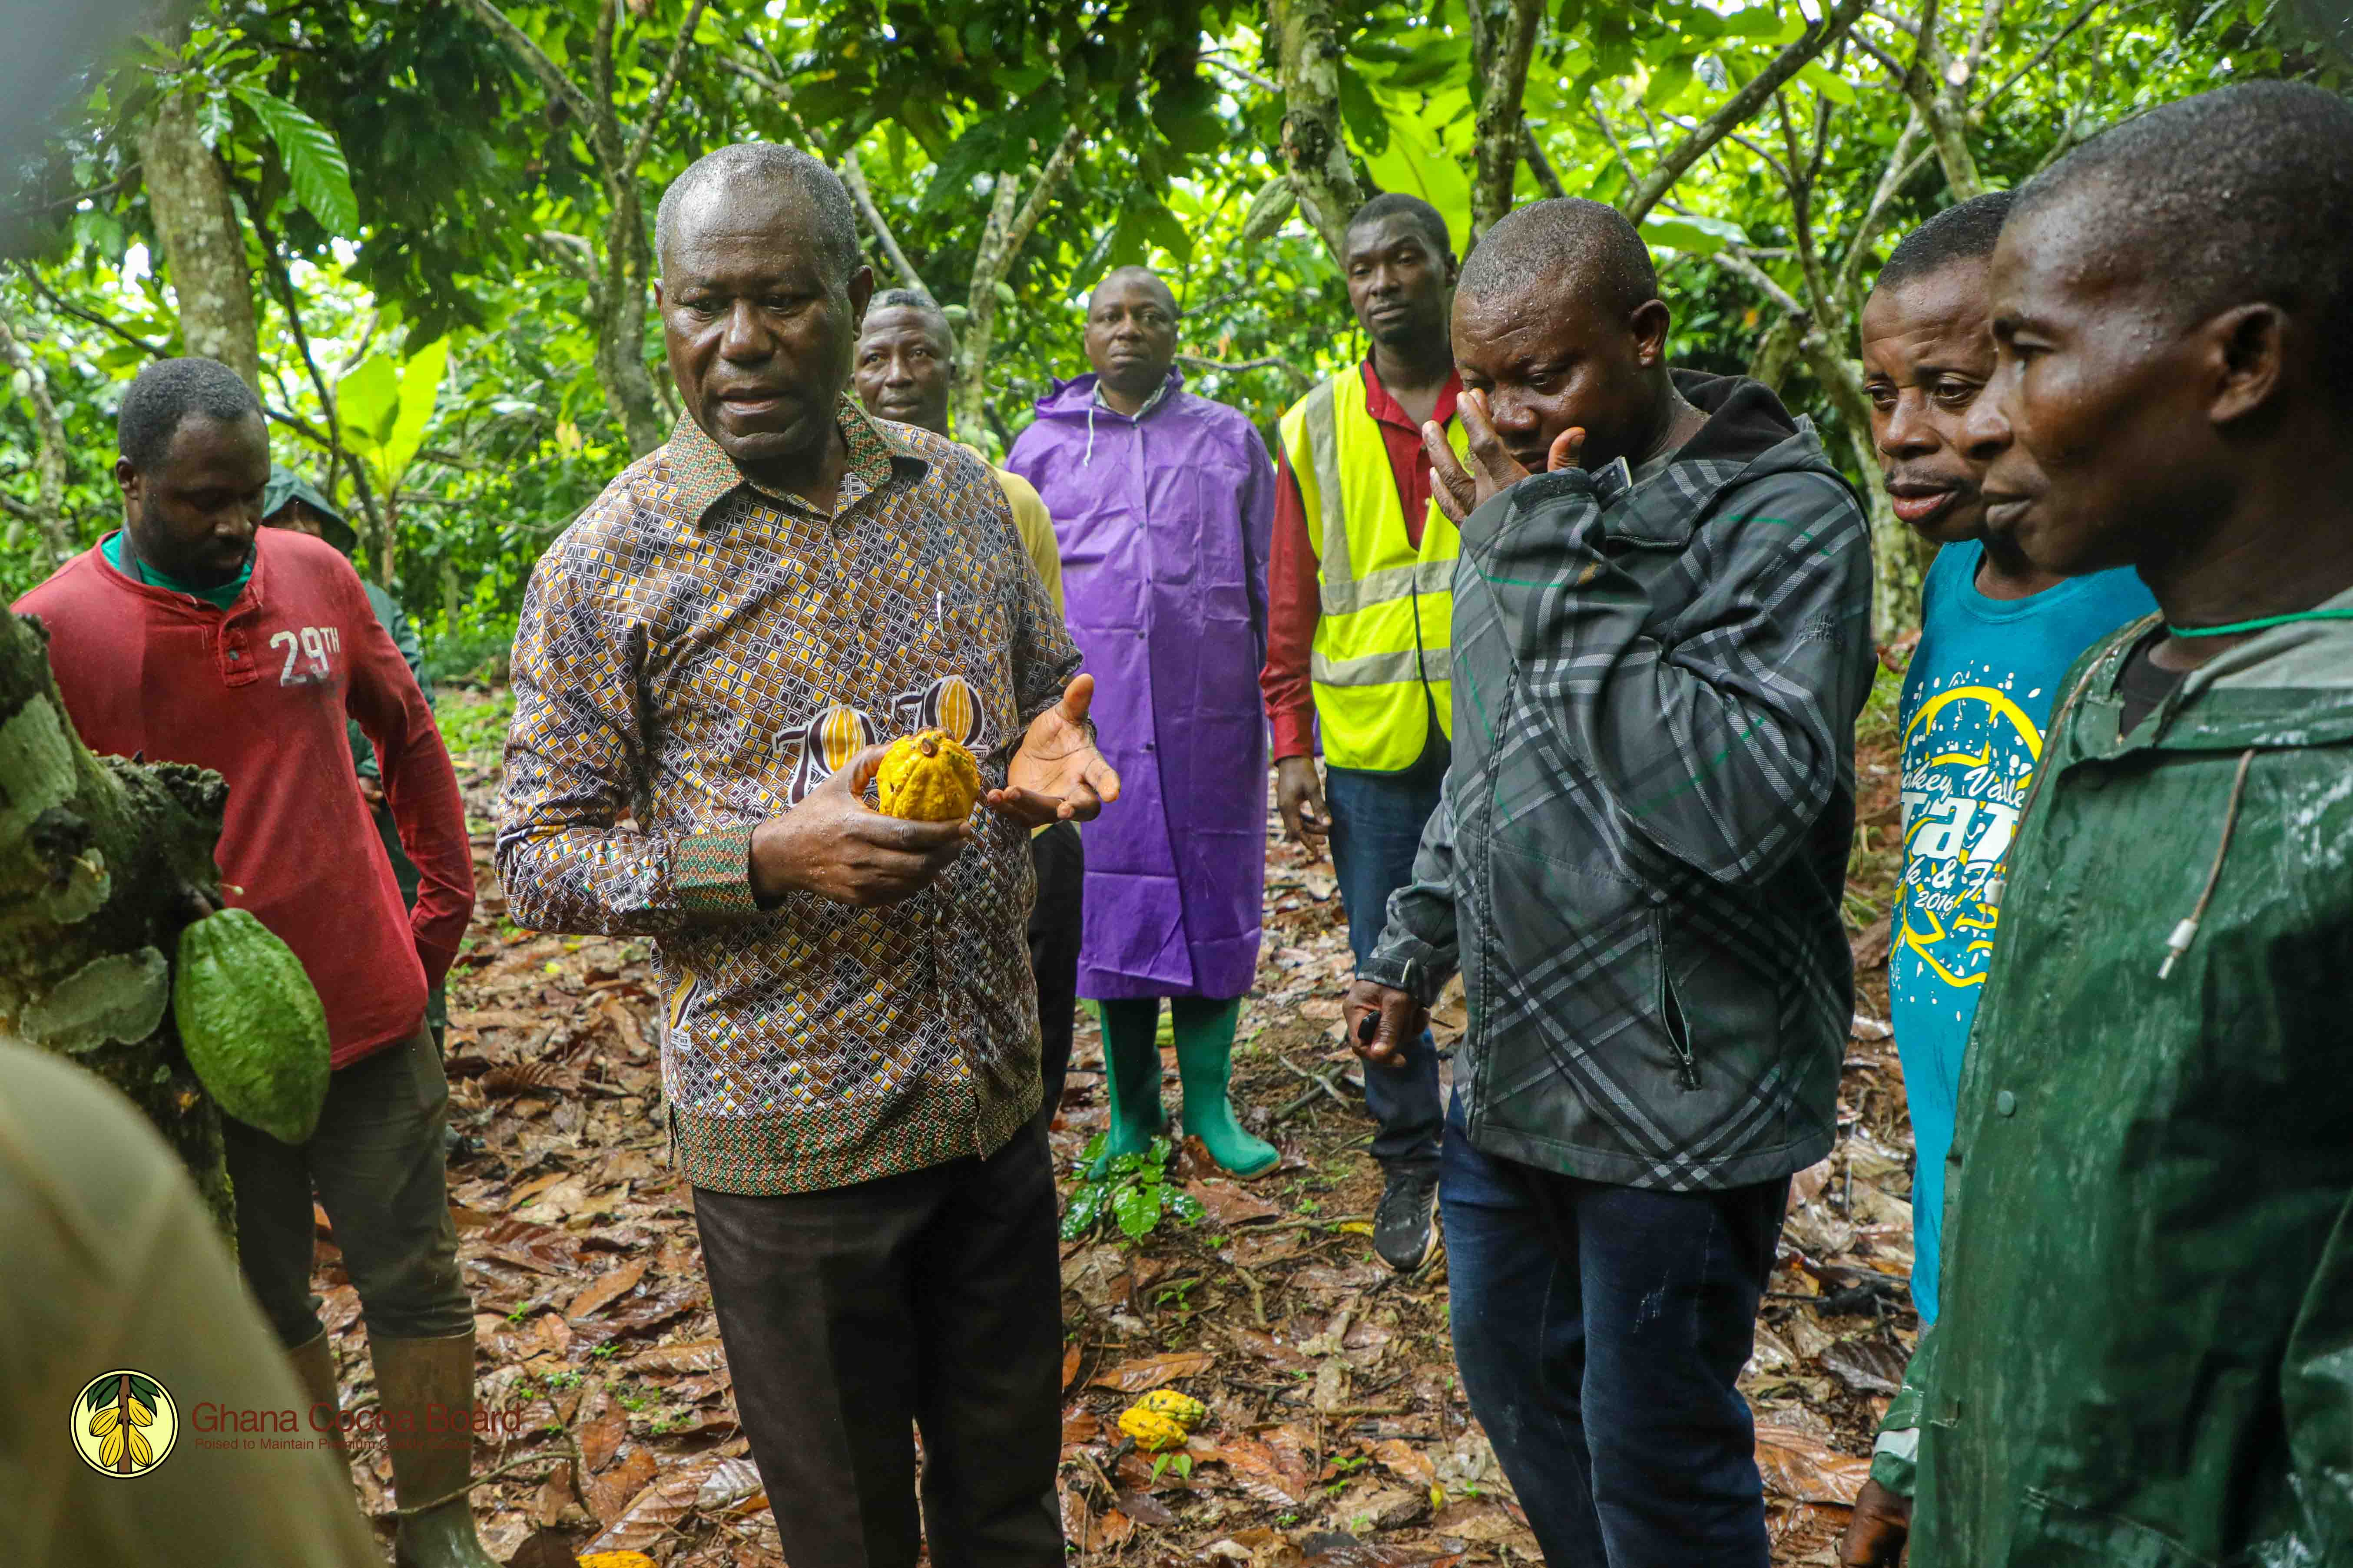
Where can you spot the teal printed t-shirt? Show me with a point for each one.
(1977, 698)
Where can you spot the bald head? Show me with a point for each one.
(1567, 244)
(807, 199)
(1131, 336)
(1557, 325)
(761, 292)
(1121, 278)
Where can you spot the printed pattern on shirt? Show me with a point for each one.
(697, 655)
(1970, 753)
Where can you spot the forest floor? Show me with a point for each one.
(1338, 1435)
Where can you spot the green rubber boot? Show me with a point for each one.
(1132, 1078)
(1205, 1063)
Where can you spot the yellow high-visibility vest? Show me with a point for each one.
(1381, 642)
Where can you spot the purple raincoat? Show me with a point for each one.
(1164, 523)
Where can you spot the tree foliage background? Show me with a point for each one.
(425, 225)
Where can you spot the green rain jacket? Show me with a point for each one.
(2146, 1352)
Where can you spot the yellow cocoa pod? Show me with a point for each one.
(928, 777)
(1181, 1408)
(1152, 1431)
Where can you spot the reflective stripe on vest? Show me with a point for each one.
(1380, 661)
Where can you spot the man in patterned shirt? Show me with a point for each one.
(715, 650)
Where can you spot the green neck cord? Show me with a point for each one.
(2234, 627)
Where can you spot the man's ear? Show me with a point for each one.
(861, 289)
(1649, 324)
(2244, 353)
(657, 297)
(133, 488)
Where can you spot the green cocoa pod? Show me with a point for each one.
(251, 1024)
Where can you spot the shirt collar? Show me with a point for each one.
(1382, 405)
(1151, 403)
(706, 475)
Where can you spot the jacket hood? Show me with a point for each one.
(1071, 399)
(1748, 436)
(1745, 419)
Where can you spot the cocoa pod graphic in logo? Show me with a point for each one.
(827, 743)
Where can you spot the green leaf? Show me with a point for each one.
(1086, 1208)
(1668, 82)
(1414, 161)
(1138, 1209)
(367, 403)
(1817, 77)
(1361, 114)
(1691, 233)
(384, 411)
(420, 385)
(314, 163)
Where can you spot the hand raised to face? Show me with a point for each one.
(1461, 491)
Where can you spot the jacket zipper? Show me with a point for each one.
(1671, 1009)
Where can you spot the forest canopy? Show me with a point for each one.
(423, 228)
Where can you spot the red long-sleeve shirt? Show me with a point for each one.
(1294, 575)
(259, 693)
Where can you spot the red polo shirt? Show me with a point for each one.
(259, 693)
(1294, 580)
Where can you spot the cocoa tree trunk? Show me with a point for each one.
(1010, 218)
(103, 862)
(1503, 37)
(1307, 41)
(203, 247)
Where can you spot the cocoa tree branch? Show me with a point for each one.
(1735, 111)
(1736, 261)
(853, 174)
(1033, 208)
(575, 253)
(660, 103)
(1300, 380)
(1609, 135)
(550, 74)
(1248, 78)
(1538, 164)
(2044, 53)
(281, 283)
(57, 303)
(1902, 163)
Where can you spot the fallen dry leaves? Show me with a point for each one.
(1338, 1437)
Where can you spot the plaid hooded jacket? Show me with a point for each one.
(1638, 861)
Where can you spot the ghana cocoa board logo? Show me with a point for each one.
(125, 1424)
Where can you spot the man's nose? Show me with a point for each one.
(1985, 428)
(1508, 410)
(1909, 433)
(745, 339)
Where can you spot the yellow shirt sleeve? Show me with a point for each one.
(1037, 526)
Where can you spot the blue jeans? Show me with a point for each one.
(1598, 1329)
(1376, 823)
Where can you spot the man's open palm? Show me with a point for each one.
(1058, 776)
